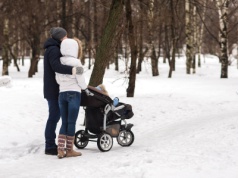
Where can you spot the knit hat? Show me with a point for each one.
(58, 33)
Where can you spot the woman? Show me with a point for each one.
(69, 97)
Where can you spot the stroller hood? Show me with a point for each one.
(98, 100)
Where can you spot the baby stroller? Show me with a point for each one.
(104, 121)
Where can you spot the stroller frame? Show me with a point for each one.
(104, 139)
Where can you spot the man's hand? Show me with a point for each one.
(88, 93)
(77, 70)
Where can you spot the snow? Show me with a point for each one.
(184, 127)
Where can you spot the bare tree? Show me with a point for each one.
(132, 41)
(188, 32)
(201, 13)
(141, 46)
(154, 60)
(222, 6)
(194, 37)
(174, 38)
(106, 43)
(165, 25)
(5, 56)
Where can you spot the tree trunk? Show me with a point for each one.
(23, 49)
(200, 34)
(126, 52)
(167, 49)
(58, 7)
(160, 36)
(35, 55)
(188, 32)
(14, 58)
(13, 49)
(89, 45)
(141, 56)
(164, 54)
(70, 19)
(154, 60)
(95, 24)
(102, 55)
(5, 56)
(116, 60)
(222, 10)
(63, 15)
(132, 41)
(174, 39)
(194, 27)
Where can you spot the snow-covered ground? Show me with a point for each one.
(184, 127)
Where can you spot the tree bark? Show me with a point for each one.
(167, 49)
(5, 47)
(174, 39)
(188, 32)
(102, 55)
(116, 60)
(90, 35)
(14, 58)
(200, 34)
(194, 39)
(222, 10)
(35, 55)
(63, 15)
(154, 60)
(141, 56)
(132, 41)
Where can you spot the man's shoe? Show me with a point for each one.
(51, 151)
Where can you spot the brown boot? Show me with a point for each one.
(61, 146)
(69, 147)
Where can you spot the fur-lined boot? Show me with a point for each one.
(61, 146)
(69, 148)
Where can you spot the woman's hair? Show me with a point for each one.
(80, 52)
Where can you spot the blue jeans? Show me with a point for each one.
(54, 116)
(69, 103)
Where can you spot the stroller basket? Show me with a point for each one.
(113, 128)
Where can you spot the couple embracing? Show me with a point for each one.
(63, 82)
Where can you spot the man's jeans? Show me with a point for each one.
(54, 116)
(69, 103)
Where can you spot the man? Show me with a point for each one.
(52, 64)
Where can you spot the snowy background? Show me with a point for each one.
(184, 127)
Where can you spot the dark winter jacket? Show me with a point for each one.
(52, 64)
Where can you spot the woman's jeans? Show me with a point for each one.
(54, 116)
(69, 103)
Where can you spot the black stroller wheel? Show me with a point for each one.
(125, 138)
(80, 140)
(104, 142)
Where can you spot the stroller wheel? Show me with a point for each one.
(80, 140)
(125, 138)
(104, 142)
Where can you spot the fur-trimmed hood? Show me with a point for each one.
(69, 47)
